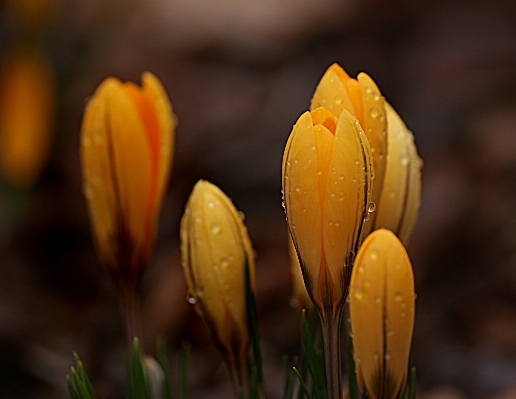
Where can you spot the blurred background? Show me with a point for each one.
(239, 73)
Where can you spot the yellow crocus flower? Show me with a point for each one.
(326, 188)
(399, 203)
(127, 140)
(27, 111)
(382, 306)
(361, 97)
(214, 241)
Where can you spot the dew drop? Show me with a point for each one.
(319, 172)
(211, 204)
(198, 220)
(398, 297)
(377, 300)
(376, 96)
(367, 283)
(373, 254)
(86, 142)
(224, 263)
(388, 355)
(404, 160)
(391, 194)
(337, 224)
(372, 207)
(97, 137)
(359, 294)
(189, 298)
(374, 112)
(88, 192)
(215, 228)
(368, 90)
(298, 189)
(376, 356)
(241, 215)
(338, 100)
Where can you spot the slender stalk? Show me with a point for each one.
(330, 326)
(130, 302)
(237, 371)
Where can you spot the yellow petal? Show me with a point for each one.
(399, 203)
(302, 199)
(382, 306)
(300, 297)
(346, 198)
(375, 128)
(331, 92)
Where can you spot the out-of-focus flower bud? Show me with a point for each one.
(300, 298)
(362, 98)
(326, 188)
(382, 305)
(399, 203)
(127, 140)
(214, 241)
(27, 107)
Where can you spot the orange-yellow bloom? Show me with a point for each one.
(399, 203)
(382, 306)
(27, 106)
(127, 140)
(326, 188)
(362, 98)
(214, 241)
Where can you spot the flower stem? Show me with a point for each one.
(330, 325)
(130, 302)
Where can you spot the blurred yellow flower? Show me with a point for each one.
(362, 98)
(127, 140)
(27, 107)
(326, 188)
(214, 241)
(382, 306)
(399, 203)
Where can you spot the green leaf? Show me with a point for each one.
(304, 388)
(183, 370)
(290, 380)
(162, 355)
(313, 360)
(353, 386)
(84, 376)
(412, 383)
(80, 386)
(139, 387)
(71, 388)
(256, 360)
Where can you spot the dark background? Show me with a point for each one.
(239, 73)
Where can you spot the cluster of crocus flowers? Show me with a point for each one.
(27, 107)
(326, 173)
(382, 305)
(214, 247)
(127, 139)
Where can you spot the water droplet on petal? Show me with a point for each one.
(359, 294)
(298, 189)
(338, 100)
(404, 160)
(373, 254)
(189, 298)
(374, 112)
(372, 207)
(398, 297)
(224, 263)
(215, 228)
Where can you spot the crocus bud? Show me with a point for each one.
(127, 139)
(214, 242)
(399, 203)
(326, 188)
(381, 303)
(362, 98)
(300, 298)
(27, 106)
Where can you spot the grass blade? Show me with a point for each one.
(304, 388)
(139, 387)
(183, 370)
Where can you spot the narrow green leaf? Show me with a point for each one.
(254, 386)
(183, 370)
(313, 360)
(162, 355)
(253, 327)
(412, 383)
(353, 386)
(139, 387)
(290, 380)
(71, 388)
(83, 375)
(304, 388)
(80, 386)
